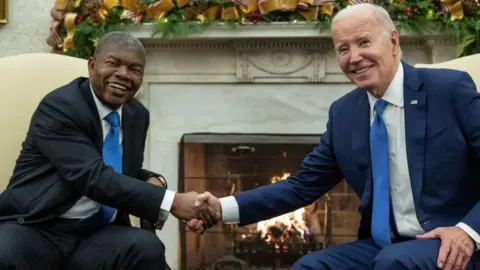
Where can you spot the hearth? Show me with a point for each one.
(225, 164)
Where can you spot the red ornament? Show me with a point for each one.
(78, 19)
(254, 17)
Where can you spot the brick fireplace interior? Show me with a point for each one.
(225, 164)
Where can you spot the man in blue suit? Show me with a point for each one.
(407, 141)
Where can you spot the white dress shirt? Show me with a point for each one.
(85, 207)
(400, 188)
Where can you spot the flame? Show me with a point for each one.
(292, 221)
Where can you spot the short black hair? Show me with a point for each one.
(121, 39)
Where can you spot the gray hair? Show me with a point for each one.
(378, 12)
(122, 39)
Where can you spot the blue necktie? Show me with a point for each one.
(381, 183)
(112, 156)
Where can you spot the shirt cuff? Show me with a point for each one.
(230, 211)
(471, 232)
(165, 208)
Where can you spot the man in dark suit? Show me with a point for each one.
(407, 141)
(79, 174)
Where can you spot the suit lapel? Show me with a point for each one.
(97, 124)
(127, 128)
(361, 142)
(415, 125)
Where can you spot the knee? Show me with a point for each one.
(146, 246)
(391, 260)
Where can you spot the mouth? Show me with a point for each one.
(361, 70)
(120, 88)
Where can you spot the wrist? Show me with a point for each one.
(175, 203)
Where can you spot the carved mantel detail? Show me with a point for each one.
(280, 65)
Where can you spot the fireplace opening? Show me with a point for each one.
(225, 164)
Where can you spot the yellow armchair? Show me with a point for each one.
(468, 64)
(25, 80)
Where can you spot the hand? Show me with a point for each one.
(456, 247)
(186, 207)
(199, 226)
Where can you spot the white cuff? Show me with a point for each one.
(165, 208)
(167, 200)
(230, 211)
(471, 232)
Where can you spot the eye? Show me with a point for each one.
(342, 51)
(364, 42)
(136, 70)
(111, 63)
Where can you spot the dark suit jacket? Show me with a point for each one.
(443, 149)
(61, 160)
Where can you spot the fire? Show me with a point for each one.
(290, 222)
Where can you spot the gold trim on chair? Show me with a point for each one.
(3, 11)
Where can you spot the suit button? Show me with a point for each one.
(21, 220)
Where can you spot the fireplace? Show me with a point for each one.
(225, 164)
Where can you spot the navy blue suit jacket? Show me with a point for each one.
(443, 150)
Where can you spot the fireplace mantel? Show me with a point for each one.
(264, 53)
(273, 30)
(265, 78)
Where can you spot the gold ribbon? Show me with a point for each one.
(454, 7)
(267, 6)
(103, 11)
(70, 28)
(181, 3)
(230, 13)
(213, 13)
(312, 14)
(252, 6)
(153, 11)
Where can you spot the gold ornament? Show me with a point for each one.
(454, 7)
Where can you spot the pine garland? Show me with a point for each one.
(421, 17)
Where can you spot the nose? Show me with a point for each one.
(355, 56)
(122, 72)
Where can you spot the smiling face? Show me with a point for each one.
(366, 52)
(116, 74)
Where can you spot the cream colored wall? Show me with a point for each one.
(28, 27)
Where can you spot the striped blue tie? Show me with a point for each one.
(381, 183)
(112, 156)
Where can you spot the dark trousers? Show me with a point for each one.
(364, 254)
(67, 244)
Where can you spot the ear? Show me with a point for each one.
(91, 65)
(395, 39)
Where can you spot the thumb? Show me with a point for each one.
(201, 198)
(429, 235)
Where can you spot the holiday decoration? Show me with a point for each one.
(77, 25)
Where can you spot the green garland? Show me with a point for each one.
(419, 17)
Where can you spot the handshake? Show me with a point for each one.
(200, 211)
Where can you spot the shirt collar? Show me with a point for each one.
(394, 93)
(103, 110)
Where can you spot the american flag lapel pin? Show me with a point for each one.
(414, 102)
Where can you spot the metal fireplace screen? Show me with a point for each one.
(225, 164)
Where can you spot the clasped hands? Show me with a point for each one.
(200, 211)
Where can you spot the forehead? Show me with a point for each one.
(354, 26)
(122, 53)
